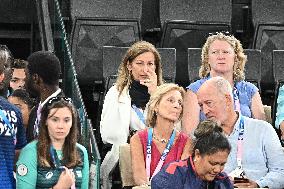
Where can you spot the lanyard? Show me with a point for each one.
(37, 121)
(139, 114)
(8, 123)
(163, 156)
(54, 157)
(240, 142)
(237, 103)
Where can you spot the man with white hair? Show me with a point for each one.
(256, 150)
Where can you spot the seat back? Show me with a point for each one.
(264, 11)
(253, 66)
(125, 168)
(196, 10)
(89, 35)
(194, 63)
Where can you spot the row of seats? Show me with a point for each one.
(184, 24)
(111, 58)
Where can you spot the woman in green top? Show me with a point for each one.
(55, 160)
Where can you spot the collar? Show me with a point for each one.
(124, 97)
(52, 95)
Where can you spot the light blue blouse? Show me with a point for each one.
(280, 107)
(246, 91)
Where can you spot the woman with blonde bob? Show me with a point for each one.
(55, 160)
(160, 143)
(222, 55)
(124, 109)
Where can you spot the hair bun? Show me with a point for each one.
(206, 128)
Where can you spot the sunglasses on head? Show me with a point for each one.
(57, 99)
(227, 33)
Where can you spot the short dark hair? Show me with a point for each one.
(24, 96)
(19, 64)
(46, 65)
(210, 138)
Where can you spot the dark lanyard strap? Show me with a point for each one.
(8, 123)
(54, 157)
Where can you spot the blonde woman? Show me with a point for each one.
(160, 143)
(124, 106)
(222, 55)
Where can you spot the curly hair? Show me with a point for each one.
(240, 58)
(155, 99)
(71, 156)
(124, 76)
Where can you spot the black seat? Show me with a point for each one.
(253, 67)
(194, 63)
(186, 24)
(268, 21)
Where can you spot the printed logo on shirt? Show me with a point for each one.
(4, 128)
(22, 170)
(49, 175)
(79, 174)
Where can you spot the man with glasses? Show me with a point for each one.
(257, 158)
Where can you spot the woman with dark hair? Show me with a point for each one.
(203, 169)
(160, 143)
(21, 99)
(55, 159)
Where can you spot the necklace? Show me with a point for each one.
(162, 140)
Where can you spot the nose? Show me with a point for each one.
(217, 169)
(145, 68)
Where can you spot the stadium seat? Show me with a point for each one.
(186, 24)
(268, 21)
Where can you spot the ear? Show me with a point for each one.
(197, 154)
(229, 99)
(2, 76)
(37, 79)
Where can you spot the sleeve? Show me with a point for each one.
(163, 179)
(280, 108)
(21, 132)
(110, 119)
(85, 171)
(27, 168)
(195, 85)
(275, 160)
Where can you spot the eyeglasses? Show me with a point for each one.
(57, 99)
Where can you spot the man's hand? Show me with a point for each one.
(248, 184)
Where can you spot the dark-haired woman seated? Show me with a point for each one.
(203, 169)
(55, 160)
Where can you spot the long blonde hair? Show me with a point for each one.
(240, 58)
(124, 76)
(155, 99)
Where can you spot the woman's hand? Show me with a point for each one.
(66, 179)
(151, 81)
